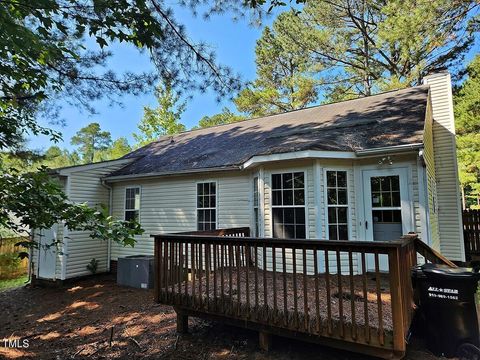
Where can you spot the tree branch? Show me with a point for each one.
(393, 66)
(182, 38)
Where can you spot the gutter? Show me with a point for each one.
(75, 168)
(109, 179)
(66, 231)
(389, 149)
(258, 159)
(326, 154)
(295, 155)
(110, 204)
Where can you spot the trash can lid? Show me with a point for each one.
(138, 257)
(417, 272)
(445, 270)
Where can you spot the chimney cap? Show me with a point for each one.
(435, 73)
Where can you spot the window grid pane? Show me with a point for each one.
(255, 192)
(385, 191)
(131, 215)
(337, 205)
(132, 198)
(288, 205)
(132, 204)
(256, 205)
(206, 206)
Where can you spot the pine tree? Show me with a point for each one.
(366, 46)
(162, 120)
(467, 119)
(91, 140)
(284, 74)
(225, 117)
(55, 157)
(119, 148)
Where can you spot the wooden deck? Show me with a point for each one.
(330, 292)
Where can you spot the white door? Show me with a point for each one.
(388, 208)
(47, 253)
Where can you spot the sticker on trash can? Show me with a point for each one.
(442, 293)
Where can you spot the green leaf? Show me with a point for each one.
(102, 42)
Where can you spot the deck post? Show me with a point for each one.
(156, 284)
(396, 299)
(182, 322)
(264, 340)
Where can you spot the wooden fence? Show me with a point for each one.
(332, 292)
(10, 265)
(471, 234)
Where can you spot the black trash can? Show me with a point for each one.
(446, 300)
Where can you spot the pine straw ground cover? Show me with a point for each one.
(356, 298)
(75, 322)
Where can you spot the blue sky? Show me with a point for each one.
(233, 43)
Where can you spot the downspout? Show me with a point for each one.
(65, 235)
(31, 267)
(422, 171)
(110, 204)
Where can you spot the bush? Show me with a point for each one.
(10, 266)
(92, 266)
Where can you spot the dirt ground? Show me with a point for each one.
(76, 322)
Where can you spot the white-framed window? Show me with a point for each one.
(386, 203)
(337, 204)
(256, 206)
(132, 203)
(207, 205)
(288, 205)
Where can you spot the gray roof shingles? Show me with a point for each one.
(387, 119)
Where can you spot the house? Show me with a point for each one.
(369, 169)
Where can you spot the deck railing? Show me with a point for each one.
(355, 292)
(235, 232)
(471, 233)
(430, 255)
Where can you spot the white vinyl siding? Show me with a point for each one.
(415, 196)
(60, 235)
(430, 181)
(169, 205)
(80, 249)
(446, 172)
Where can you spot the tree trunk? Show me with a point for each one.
(366, 78)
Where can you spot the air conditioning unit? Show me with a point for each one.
(136, 271)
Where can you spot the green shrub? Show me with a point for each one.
(92, 266)
(10, 266)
